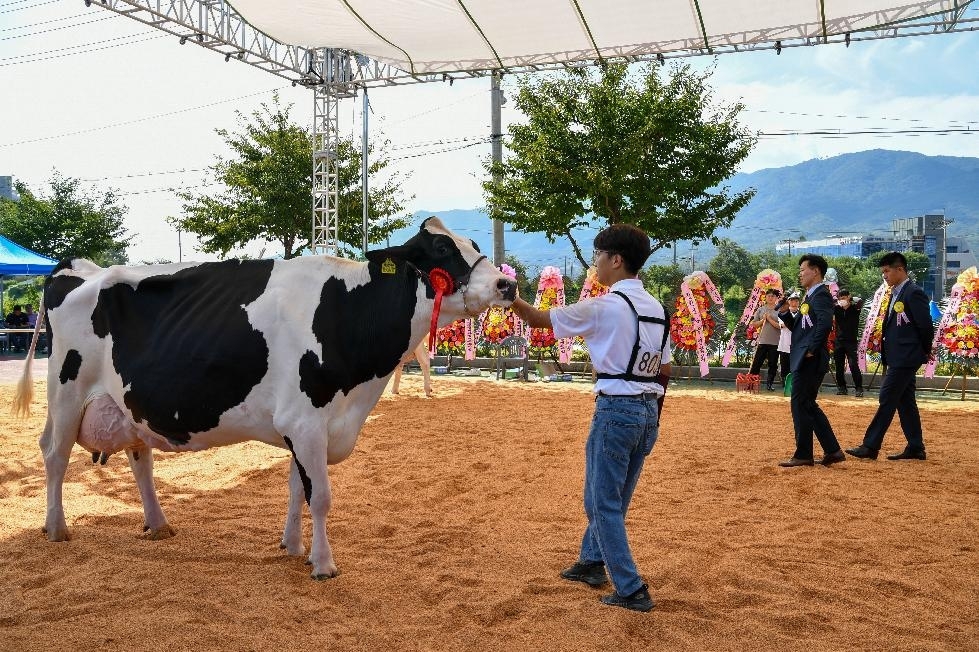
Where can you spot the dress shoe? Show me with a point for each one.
(909, 454)
(591, 573)
(841, 391)
(833, 458)
(858, 393)
(638, 601)
(795, 461)
(863, 452)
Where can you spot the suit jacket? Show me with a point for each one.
(809, 336)
(907, 343)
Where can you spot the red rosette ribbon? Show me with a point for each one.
(443, 284)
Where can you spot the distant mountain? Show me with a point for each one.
(850, 194)
(857, 193)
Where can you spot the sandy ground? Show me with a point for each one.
(455, 514)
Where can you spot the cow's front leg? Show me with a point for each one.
(309, 457)
(292, 533)
(154, 522)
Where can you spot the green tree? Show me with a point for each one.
(268, 183)
(526, 287)
(663, 282)
(620, 148)
(71, 223)
(732, 265)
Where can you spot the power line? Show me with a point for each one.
(53, 29)
(137, 120)
(37, 4)
(44, 22)
(443, 151)
(839, 133)
(53, 54)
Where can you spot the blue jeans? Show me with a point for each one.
(623, 432)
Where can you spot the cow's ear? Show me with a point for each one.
(399, 252)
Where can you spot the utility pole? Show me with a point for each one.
(363, 165)
(496, 139)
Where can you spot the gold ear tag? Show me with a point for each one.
(388, 267)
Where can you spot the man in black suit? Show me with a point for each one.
(809, 362)
(906, 345)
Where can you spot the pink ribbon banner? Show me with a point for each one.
(470, 339)
(749, 310)
(950, 312)
(698, 327)
(868, 326)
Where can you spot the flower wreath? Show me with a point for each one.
(961, 337)
(765, 280)
(499, 323)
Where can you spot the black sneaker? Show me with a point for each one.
(638, 601)
(841, 391)
(591, 573)
(858, 393)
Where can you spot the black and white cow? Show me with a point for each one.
(294, 353)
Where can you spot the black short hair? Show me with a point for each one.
(893, 259)
(17, 307)
(773, 291)
(628, 241)
(817, 261)
(843, 293)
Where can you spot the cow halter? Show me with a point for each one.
(443, 285)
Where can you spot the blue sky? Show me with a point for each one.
(102, 98)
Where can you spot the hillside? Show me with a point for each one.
(850, 194)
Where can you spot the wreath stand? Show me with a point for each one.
(688, 362)
(870, 385)
(964, 368)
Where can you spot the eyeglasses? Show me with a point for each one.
(599, 252)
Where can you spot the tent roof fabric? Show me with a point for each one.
(18, 261)
(432, 36)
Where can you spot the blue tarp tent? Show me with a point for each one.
(18, 261)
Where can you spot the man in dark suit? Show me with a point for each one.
(906, 345)
(809, 362)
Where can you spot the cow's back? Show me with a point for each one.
(172, 343)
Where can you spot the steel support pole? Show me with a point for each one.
(496, 138)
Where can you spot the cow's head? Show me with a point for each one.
(476, 283)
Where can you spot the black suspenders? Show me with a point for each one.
(629, 374)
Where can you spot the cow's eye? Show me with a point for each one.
(442, 247)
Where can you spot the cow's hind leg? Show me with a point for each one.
(56, 442)
(154, 522)
(309, 457)
(292, 534)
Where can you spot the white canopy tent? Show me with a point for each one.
(336, 47)
(437, 36)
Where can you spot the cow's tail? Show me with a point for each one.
(21, 407)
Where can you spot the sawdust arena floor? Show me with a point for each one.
(454, 515)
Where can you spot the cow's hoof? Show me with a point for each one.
(160, 533)
(297, 551)
(325, 576)
(56, 534)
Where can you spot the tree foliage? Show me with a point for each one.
(733, 265)
(600, 148)
(267, 190)
(71, 223)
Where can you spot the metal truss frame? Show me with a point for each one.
(334, 74)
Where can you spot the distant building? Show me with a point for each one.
(857, 247)
(958, 258)
(7, 190)
(926, 234)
